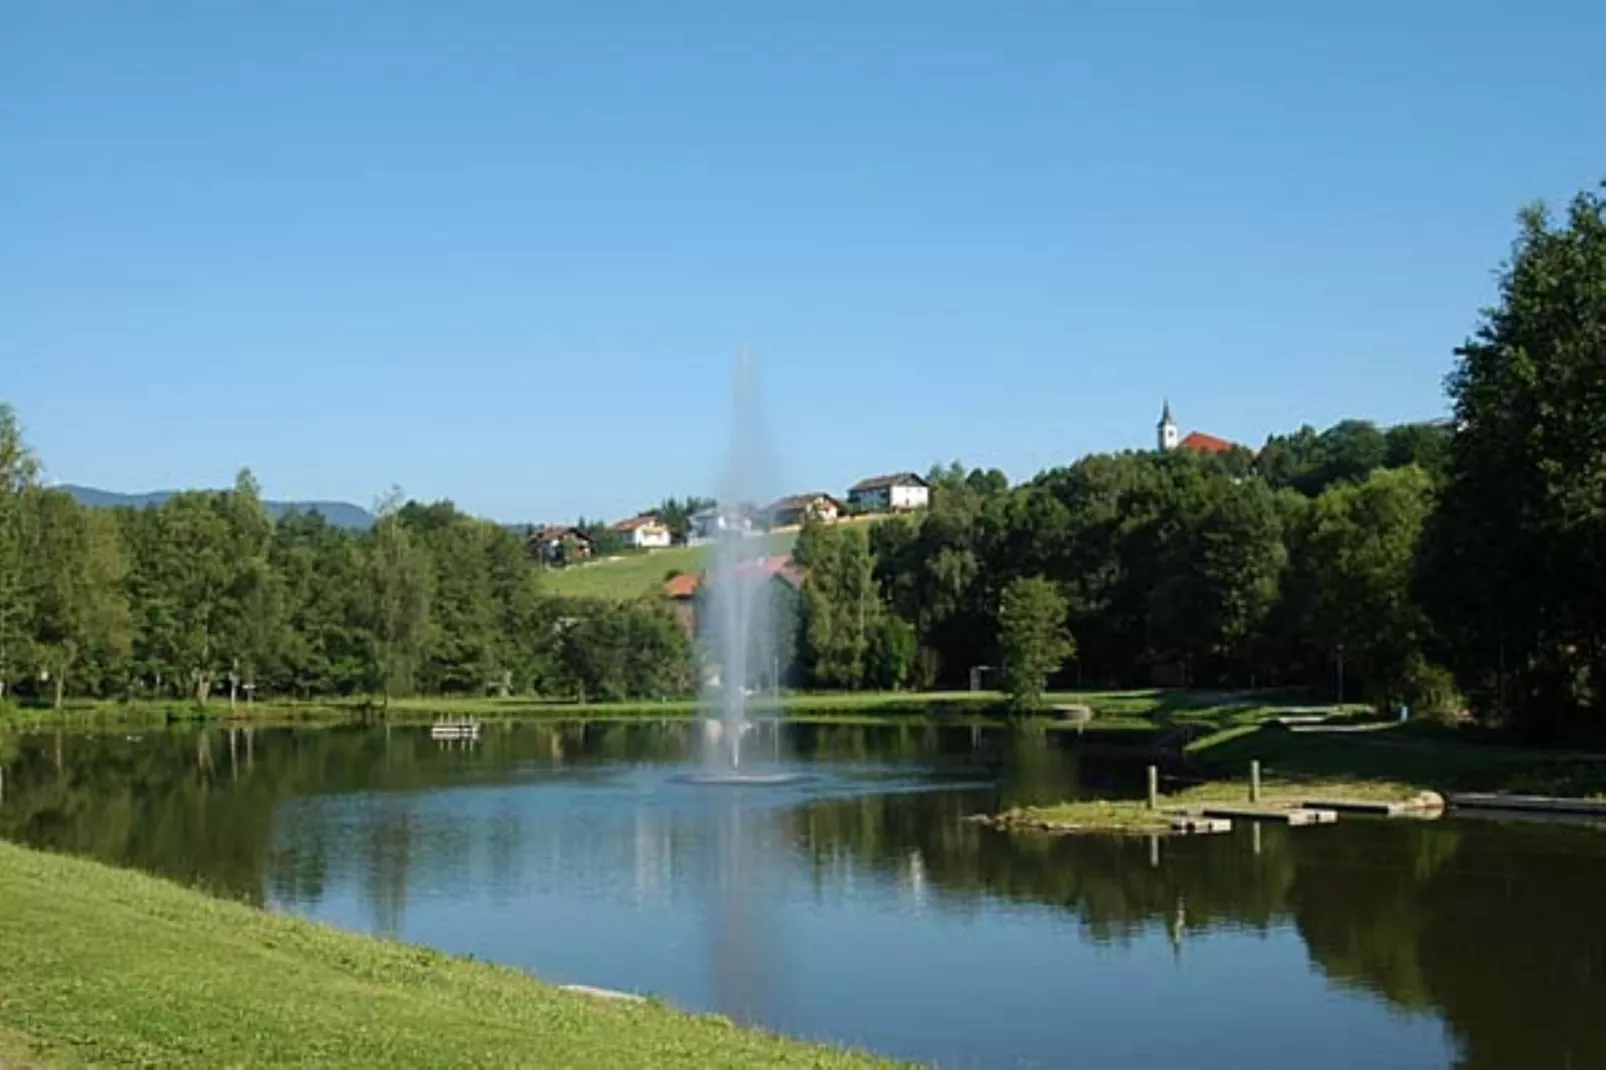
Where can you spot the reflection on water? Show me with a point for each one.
(858, 906)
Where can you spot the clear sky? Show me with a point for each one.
(507, 252)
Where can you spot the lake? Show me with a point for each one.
(857, 906)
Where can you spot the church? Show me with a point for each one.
(1194, 441)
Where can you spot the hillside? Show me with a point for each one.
(637, 574)
(339, 514)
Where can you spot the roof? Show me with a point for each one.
(897, 479)
(682, 586)
(774, 566)
(637, 522)
(800, 501)
(1199, 442)
(549, 532)
(1165, 414)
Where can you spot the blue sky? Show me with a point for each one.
(507, 252)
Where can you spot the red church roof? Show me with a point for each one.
(1199, 442)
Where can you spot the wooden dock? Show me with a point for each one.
(453, 729)
(1198, 824)
(1534, 804)
(1426, 803)
(1277, 815)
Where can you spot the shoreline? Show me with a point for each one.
(104, 965)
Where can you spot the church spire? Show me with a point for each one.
(1166, 428)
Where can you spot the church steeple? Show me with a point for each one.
(1167, 428)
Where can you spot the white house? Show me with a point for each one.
(706, 525)
(903, 490)
(643, 532)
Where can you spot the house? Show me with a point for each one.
(902, 490)
(644, 532)
(558, 544)
(796, 508)
(706, 525)
(1193, 442)
(686, 590)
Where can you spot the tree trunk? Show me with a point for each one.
(203, 686)
(61, 687)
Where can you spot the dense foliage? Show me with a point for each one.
(1411, 565)
(206, 595)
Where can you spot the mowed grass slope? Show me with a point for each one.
(107, 967)
(633, 575)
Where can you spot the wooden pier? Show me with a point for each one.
(1277, 815)
(1199, 824)
(1426, 803)
(455, 728)
(1533, 804)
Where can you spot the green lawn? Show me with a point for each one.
(1114, 711)
(1438, 758)
(635, 574)
(107, 967)
(1197, 713)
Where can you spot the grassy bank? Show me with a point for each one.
(1133, 815)
(100, 966)
(1438, 758)
(1131, 712)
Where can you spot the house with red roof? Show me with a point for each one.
(685, 589)
(644, 532)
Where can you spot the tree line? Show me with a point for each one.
(1441, 566)
(1448, 566)
(205, 596)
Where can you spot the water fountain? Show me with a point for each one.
(736, 621)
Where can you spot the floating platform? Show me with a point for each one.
(1277, 815)
(1197, 824)
(1536, 804)
(1427, 803)
(454, 730)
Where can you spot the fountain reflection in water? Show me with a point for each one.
(736, 621)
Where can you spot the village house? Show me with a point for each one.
(644, 532)
(796, 508)
(1194, 442)
(558, 544)
(706, 525)
(900, 491)
(686, 590)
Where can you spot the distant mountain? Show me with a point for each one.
(339, 514)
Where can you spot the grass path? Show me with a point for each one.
(107, 967)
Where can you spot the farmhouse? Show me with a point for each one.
(686, 590)
(706, 525)
(796, 508)
(902, 490)
(558, 543)
(645, 532)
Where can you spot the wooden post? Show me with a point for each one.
(1154, 787)
(1254, 781)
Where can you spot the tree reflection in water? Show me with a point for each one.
(1496, 929)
